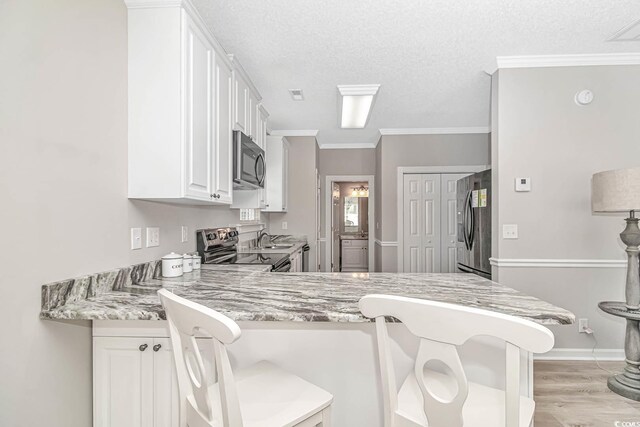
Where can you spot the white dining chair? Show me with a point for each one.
(433, 398)
(261, 395)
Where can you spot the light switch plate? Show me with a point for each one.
(185, 233)
(284, 225)
(153, 237)
(136, 238)
(523, 184)
(510, 231)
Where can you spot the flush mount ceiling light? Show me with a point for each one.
(296, 94)
(356, 104)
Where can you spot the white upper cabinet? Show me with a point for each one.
(223, 180)
(246, 101)
(180, 107)
(277, 181)
(262, 122)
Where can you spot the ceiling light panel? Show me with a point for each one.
(629, 33)
(357, 101)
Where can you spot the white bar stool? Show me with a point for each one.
(434, 399)
(261, 395)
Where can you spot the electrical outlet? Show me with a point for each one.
(510, 231)
(583, 325)
(185, 233)
(284, 225)
(136, 238)
(153, 237)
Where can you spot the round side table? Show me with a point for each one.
(627, 383)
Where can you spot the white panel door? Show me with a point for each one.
(448, 221)
(122, 382)
(421, 220)
(166, 400)
(199, 60)
(223, 156)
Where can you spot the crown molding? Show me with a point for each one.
(435, 131)
(347, 145)
(294, 132)
(558, 263)
(534, 61)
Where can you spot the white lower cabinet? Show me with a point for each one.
(134, 383)
(355, 255)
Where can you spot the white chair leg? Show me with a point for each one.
(326, 417)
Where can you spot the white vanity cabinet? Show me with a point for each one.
(134, 382)
(355, 255)
(277, 181)
(180, 104)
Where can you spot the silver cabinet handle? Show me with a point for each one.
(143, 347)
(157, 347)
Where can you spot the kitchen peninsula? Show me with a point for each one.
(309, 323)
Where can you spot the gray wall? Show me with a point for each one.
(355, 161)
(301, 213)
(542, 134)
(418, 150)
(65, 212)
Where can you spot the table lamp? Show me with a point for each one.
(618, 191)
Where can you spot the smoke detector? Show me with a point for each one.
(296, 94)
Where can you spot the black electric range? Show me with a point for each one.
(220, 246)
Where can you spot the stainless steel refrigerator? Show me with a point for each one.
(474, 223)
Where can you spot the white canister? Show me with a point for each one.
(187, 263)
(197, 261)
(172, 265)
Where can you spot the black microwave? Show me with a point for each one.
(249, 167)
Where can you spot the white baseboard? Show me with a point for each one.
(600, 354)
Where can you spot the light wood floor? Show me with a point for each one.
(575, 394)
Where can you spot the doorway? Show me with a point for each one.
(349, 211)
(427, 218)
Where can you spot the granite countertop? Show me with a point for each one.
(259, 296)
(237, 268)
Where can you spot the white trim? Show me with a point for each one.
(347, 145)
(295, 132)
(600, 354)
(370, 179)
(385, 244)
(322, 239)
(435, 131)
(400, 196)
(143, 4)
(558, 263)
(629, 58)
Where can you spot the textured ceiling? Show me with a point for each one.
(428, 55)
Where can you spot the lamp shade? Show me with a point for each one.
(616, 190)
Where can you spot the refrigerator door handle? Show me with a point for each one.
(472, 229)
(464, 221)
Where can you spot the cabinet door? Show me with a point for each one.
(252, 115)
(352, 257)
(166, 400)
(199, 63)
(240, 101)
(122, 382)
(222, 181)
